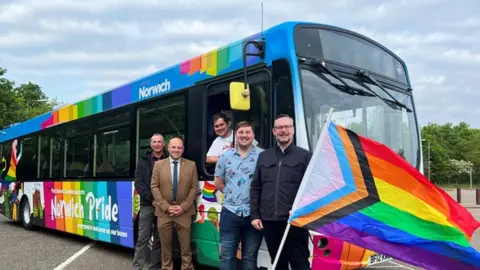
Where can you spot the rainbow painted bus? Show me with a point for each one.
(72, 169)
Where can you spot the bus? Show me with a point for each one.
(72, 169)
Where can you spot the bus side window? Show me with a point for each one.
(44, 156)
(27, 162)
(7, 148)
(3, 161)
(165, 116)
(78, 150)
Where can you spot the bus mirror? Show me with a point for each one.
(239, 96)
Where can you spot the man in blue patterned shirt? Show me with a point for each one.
(233, 174)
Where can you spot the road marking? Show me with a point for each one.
(74, 256)
(401, 265)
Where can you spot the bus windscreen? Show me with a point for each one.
(348, 49)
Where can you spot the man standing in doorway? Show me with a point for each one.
(233, 175)
(147, 220)
(221, 125)
(174, 188)
(275, 184)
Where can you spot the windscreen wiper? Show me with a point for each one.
(350, 90)
(363, 73)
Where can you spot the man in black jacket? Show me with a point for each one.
(147, 219)
(273, 190)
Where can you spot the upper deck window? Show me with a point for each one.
(348, 49)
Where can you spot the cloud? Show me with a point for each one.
(74, 48)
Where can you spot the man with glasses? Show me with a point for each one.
(277, 177)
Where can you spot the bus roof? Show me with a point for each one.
(182, 75)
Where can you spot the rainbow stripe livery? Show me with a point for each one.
(361, 192)
(211, 64)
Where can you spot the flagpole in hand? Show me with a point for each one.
(287, 229)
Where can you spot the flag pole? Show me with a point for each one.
(287, 229)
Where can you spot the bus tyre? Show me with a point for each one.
(25, 215)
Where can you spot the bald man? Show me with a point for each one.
(174, 188)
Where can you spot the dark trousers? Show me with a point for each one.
(147, 228)
(234, 228)
(295, 250)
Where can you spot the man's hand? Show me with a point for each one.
(257, 224)
(175, 210)
(170, 209)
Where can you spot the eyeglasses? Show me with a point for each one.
(283, 127)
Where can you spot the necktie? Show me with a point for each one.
(175, 180)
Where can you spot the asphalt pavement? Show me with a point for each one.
(52, 250)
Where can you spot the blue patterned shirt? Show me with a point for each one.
(238, 174)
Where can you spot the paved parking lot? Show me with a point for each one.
(52, 250)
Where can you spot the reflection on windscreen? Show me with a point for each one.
(368, 116)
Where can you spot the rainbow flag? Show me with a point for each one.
(208, 192)
(362, 192)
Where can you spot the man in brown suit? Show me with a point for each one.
(174, 188)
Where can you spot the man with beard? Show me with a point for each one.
(233, 175)
(147, 219)
(277, 178)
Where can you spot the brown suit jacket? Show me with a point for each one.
(162, 186)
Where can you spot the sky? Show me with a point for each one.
(77, 49)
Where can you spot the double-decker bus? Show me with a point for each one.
(72, 169)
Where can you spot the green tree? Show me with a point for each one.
(10, 104)
(450, 143)
(19, 103)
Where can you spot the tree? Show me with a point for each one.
(455, 149)
(461, 166)
(10, 104)
(19, 103)
(36, 102)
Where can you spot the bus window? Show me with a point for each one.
(77, 157)
(1, 156)
(55, 157)
(78, 147)
(44, 156)
(27, 162)
(218, 102)
(166, 116)
(115, 119)
(5, 159)
(283, 88)
(112, 153)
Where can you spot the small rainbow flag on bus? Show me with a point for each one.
(362, 192)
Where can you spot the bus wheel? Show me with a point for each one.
(25, 215)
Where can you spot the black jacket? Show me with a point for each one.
(143, 177)
(276, 181)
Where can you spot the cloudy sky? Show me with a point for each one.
(77, 48)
